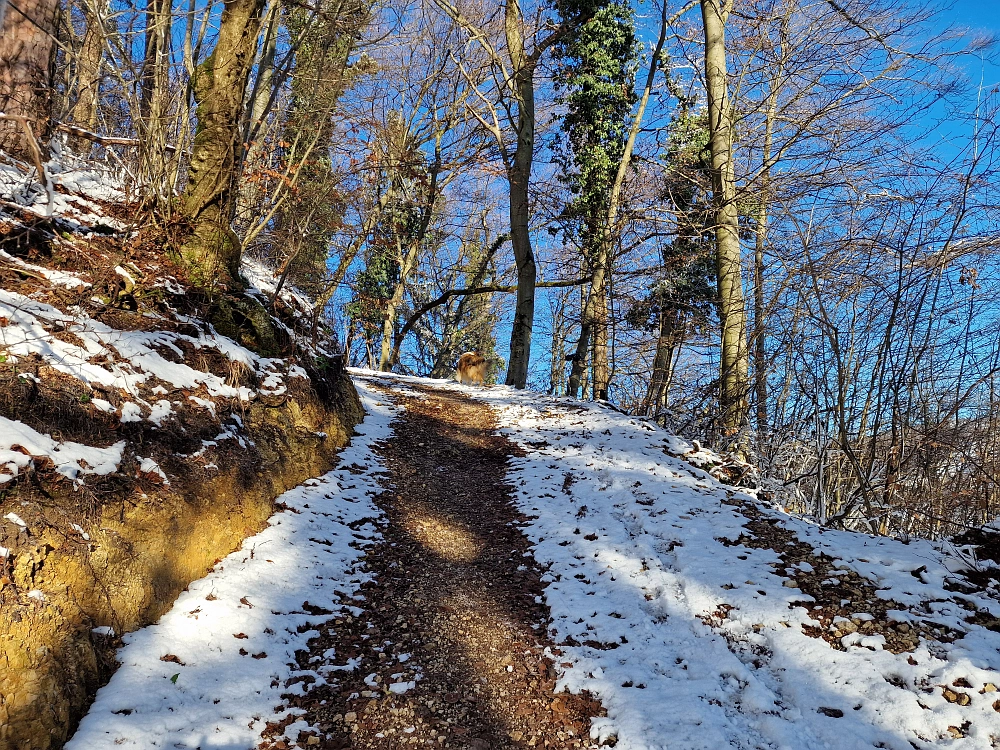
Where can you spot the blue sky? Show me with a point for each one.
(981, 14)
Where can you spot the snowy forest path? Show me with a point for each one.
(451, 648)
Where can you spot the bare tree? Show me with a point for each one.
(734, 365)
(514, 65)
(27, 56)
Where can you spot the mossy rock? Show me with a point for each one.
(246, 320)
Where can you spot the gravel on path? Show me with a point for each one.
(451, 648)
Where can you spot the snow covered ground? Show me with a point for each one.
(691, 641)
(73, 190)
(690, 638)
(212, 671)
(138, 365)
(126, 360)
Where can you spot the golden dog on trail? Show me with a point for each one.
(471, 368)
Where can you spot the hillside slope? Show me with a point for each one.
(704, 618)
(697, 615)
(138, 443)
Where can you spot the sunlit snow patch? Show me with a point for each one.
(20, 445)
(210, 673)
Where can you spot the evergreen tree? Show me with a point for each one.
(684, 295)
(596, 82)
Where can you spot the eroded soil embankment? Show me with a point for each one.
(450, 650)
(135, 546)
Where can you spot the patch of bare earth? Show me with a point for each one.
(452, 611)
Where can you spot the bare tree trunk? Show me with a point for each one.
(261, 93)
(349, 341)
(602, 372)
(88, 72)
(27, 54)
(212, 252)
(733, 378)
(663, 363)
(520, 87)
(593, 341)
(760, 367)
(450, 336)
(655, 390)
(406, 266)
(557, 367)
(154, 79)
(519, 175)
(189, 51)
(588, 316)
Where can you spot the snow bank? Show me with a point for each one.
(76, 196)
(693, 642)
(263, 283)
(20, 445)
(59, 278)
(210, 673)
(131, 361)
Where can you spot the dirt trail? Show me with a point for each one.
(453, 605)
